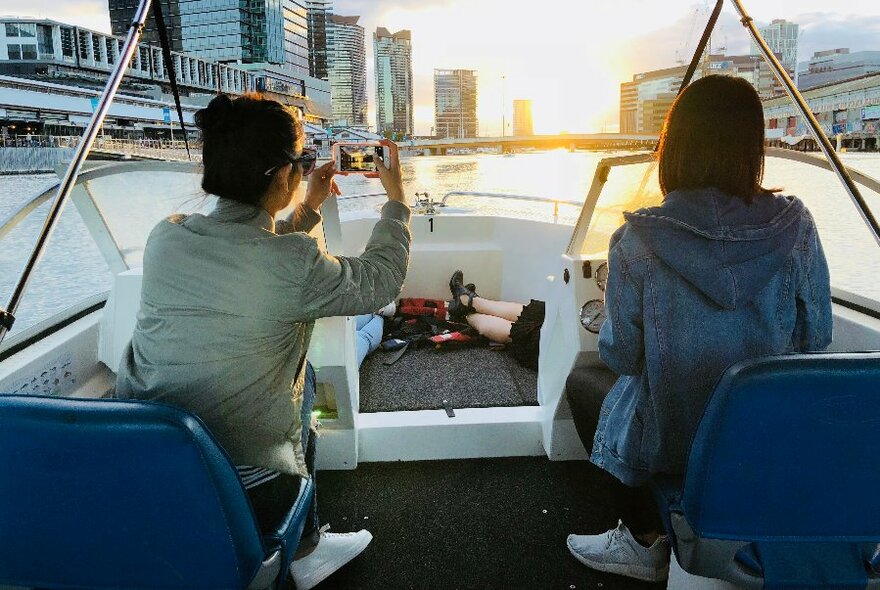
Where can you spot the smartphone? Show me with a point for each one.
(357, 158)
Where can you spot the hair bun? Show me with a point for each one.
(217, 116)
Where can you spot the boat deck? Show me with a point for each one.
(427, 378)
(481, 523)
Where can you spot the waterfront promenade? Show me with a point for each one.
(22, 154)
(41, 153)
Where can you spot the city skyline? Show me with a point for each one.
(568, 93)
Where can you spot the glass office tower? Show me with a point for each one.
(246, 31)
(346, 61)
(319, 12)
(455, 103)
(394, 86)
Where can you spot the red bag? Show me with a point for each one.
(417, 306)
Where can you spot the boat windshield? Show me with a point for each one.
(628, 183)
(853, 253)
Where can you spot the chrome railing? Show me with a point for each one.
(39, 141)
(146, 148)
(526, 198)
(425, 204)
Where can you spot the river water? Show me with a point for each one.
(74, 269)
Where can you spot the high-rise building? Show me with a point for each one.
(82, 59)
(837, 65)
(645, 101)
(274, 32)
(522, 117)
(394, 85)
(347, 70)
(782, 38)
(455, 103)
(318, 12)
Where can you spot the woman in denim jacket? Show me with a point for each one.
(722, 271)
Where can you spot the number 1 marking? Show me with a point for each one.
(431, 223)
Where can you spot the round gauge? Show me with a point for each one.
(602, 276)
(592, 315)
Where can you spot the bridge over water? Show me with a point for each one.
(511, 142)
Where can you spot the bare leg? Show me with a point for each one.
(494, 328)
(499, 309)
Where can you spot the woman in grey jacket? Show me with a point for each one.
(722, 271)
(229, 300)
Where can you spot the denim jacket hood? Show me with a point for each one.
(726, 248)
(694, 285)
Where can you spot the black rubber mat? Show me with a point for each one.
(475, 377)
(487, 524)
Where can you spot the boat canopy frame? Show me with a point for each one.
(68, 181)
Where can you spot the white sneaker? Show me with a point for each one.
(333, 551)
(617, 552)
(388, 311)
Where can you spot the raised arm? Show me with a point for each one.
(303, 219)
(339, 285)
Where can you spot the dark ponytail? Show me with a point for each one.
(241, 139)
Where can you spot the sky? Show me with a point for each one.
(569, 59)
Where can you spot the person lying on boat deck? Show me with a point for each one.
(514, 324)
(229, 300)
(723, 270)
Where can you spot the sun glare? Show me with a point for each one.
(563, 62)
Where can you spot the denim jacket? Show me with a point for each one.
(695, 285)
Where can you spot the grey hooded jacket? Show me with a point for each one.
(695, 285)
(227, 309)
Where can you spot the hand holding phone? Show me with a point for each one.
(388, 171)
(357, 158)
(321, 185)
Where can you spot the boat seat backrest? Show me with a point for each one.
(788, 447)
(108, 493)
(783, 471)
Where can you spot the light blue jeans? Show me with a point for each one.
(369, 334)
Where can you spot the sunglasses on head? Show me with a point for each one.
(306, 159)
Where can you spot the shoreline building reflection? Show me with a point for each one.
(455, 103)
(394, 83)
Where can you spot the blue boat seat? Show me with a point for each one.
(126, 494)
(782, 486)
